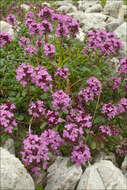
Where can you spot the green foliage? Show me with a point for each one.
(103, 3)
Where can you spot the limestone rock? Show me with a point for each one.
(61, 177)
(113, 8)
(5, 27)
(93, 21)
(9, 145)
(121, 32)
(25, 6)
(94, 9)
(103, 156)
(80, 36)
(13, 175)
(110, 27)
(124, 165)
(103, 175)
(67, 8)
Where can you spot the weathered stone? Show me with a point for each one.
(25, 6)
(80, 36)
(94, 9)
(124, 165)
(5, 27)
(113, 8)
(13, 175)
(110, 27)
(103, 175)
(46, 4)
(121, 32)
(61, 3)
(61, 177)
(84, 5)
(9, 145)
(93, 21)
(67, 8)
(103, 156)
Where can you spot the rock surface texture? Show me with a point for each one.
(5, 27)
(103, 175)
(124, 166)
(61, 177)
(13, 175)
(9, 145)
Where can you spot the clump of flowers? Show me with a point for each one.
(62, 72)
(114, 82)
(86, 95)
(95, 85)
(105, 130)
(5, 38)
(61, 100)
(53, 118)
(46, 13)
(30, 50)
(24, 41)
(62, 30)
(49, 50)
(123, 66)
(7, 119)
(122, 105)
(80, 154)
(11, 19)
(25, 74)
(42, 79)
(105, 42)
(109, 110)
(37, 109)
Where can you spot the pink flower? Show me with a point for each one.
(62, 30)
(30, 50)
(11, 19)
(62, 72)
(86, 95)
(109, 110)
(37, 109)
(24, 41)
(5, 38)
(95, 85)
(49, 50)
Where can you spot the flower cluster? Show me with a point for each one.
(46, 13)
(109, 110)
(114, 82)
(95, 85)
(122, 106)
(53, 118)
(62, 72)
(61, 100)
(5, 38)
(25, 74)
(105, 42)
(30, 50)
(105, 130)
(123, 66)
(49, 50)
(42, 79)
(7, 116)
(24, 41)
(11, 19)
(80, 154)
(37, 109)
(36, 150)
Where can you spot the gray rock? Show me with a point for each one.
(103, 156)
(121, 32)
(67, 8)
(84, 5)
(113, 8)
(103, 175)
(61, 3)
(9, 145)
(93, 21)
(61, 177)
(79, 15)
(46, 4)
(124, 165)
(110, 27)
(80, 36)
(5, 27)
(94, 9)
(13, 175)
(25, 7)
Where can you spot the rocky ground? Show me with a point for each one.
(104, 173)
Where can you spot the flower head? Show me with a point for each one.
(49, 50)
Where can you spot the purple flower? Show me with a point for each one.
(46, 13)
(115, 131)
(80, 154)
(109, 110)
(39, 43)
(24, 41)
(95, 85)
(46, 27)
(62, 30)
(25, 74)
(30, 50)
(28, 22)
(62, 72)
(114, 82)
(11, 19)
(29, 15)
(122, 106)
(61, 100)
(86, 95)
(7, 120)
(35, 28)
(72, 132)
(5, 38)
(37, 109)
(49, 50)
(42, 79)
(105, 130)
(73, 28)
(123, 66)
(53, 118)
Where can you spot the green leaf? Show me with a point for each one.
(69, 163)
(93, 145)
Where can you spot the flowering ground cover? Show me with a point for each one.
(60, 96)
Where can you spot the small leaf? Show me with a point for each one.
(69, 163)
